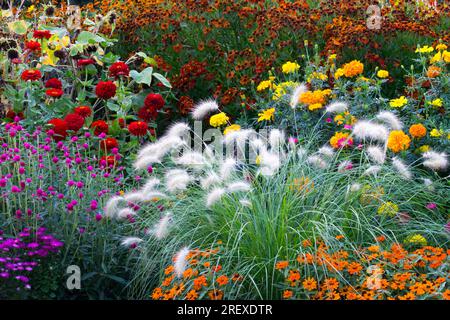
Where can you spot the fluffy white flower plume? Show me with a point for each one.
(154, 152)
(401, 168)
(191, 160)
(202, 109)
(177, 180)
(372, 170)
(337, 107)
(146, 161)
(180, 261)
(344, 166)
(326, 151)
(366, 130)
(154, 195)
(355, 187)
(161, 229)
(112, 205)
(298, 91)
(269, 163)
(317, 162)
(131, 241)
(214, 196)
(125, 213)
(150, 185)
(134, 197)
(227, 168)
(239, 186)
(258, 145)
(435, 160)
(276, 138)
(178, 129)
(245, 203)
(211, 179)
(376, 154)
(390, 119)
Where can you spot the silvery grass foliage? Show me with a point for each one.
(263, 210)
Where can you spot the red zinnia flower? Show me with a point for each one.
(84, 111)
(33, 45)
(31, 75)
(55, 93)
(138, 128)
(99, 126)
(53, 83)
(59, 128)
(122, 122)
(147, 114)
(109, 161)
(105, 89)
(41, 34)
(108, 144)
(154, 100)
(85, 62)
(74, 121)
(119, 69)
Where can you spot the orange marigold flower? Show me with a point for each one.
(354, 268)
(222, 280)
(287, 294)
(215, 294)
(169, 270)
(200, 282)
(353, 68)
(418, 131)
(192, 295)
(446, 295)
(294, 277)
(309, 284)
(157, 294)
(281, 265)
(331, 284)
(398, 141)
(433, 71)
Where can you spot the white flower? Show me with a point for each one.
(227, 168)
(366, 130)
(214, 196)
(435, 161)
(276, 138)
(376, 154)
(131, 241)
(111, 206)
(178, 129)
(126, 213)
(177, 180)
(134, 197)
(317, 162)
(355, 187)
(298, 91)
(337, 107)
(192, 160)
(238, 187)
(180, 261)
(326, 151)
(162, 227)
(211, 179)
(401, 168)
(372, 170)
(390, 119)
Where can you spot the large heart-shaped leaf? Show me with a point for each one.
(144, 77)
(163, 80)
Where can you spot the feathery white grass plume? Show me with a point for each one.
(202, 109)
(390, 119)
(344, 166)
(146, 161)
(191, 160)
(296, 93)
(161, 229)
(231, 137)
(258, 144)
(239, 186)
(372, 170)
(317, 162)
(112, 205)
(180, 261)
(435, 160)
(150, 185)
(131, 241)
(366, 130)
(245, 203)
(154, 195)
(326, 151)
(269, 161)
(401, 168)
(227, 168)
(355, 187)
(178, 129)
(302, 153)
(134, 197)
(376, 154)
(177, 180)
(214, 196)
(211, 179)
(276, 138)
(157, 150)
(337, 107)
(428, 184)
(125, 213)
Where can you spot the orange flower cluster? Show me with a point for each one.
(375, 272)
(203, 278)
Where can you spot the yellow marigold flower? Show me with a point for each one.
(436, 102)
(315, 97)
(282, 89)
(332, 57)
(435, 133)
(266, 115)
(424, 49)
(424, 148)
(417, 239)
(315, 106)
(418, 131)
(382, 74)
(341, 140)
(339, 73)
(230, 128)
(398, 141)
(218, 120)
(31, 9)
(263, 85)
(441, 56)
(388, 209)
(290, 67)
(317, 75)
(441, 47)
(353, 68)
(399, 102)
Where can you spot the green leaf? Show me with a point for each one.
(18, 27)
(144, 77)
(162, 79)
(87, 37)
